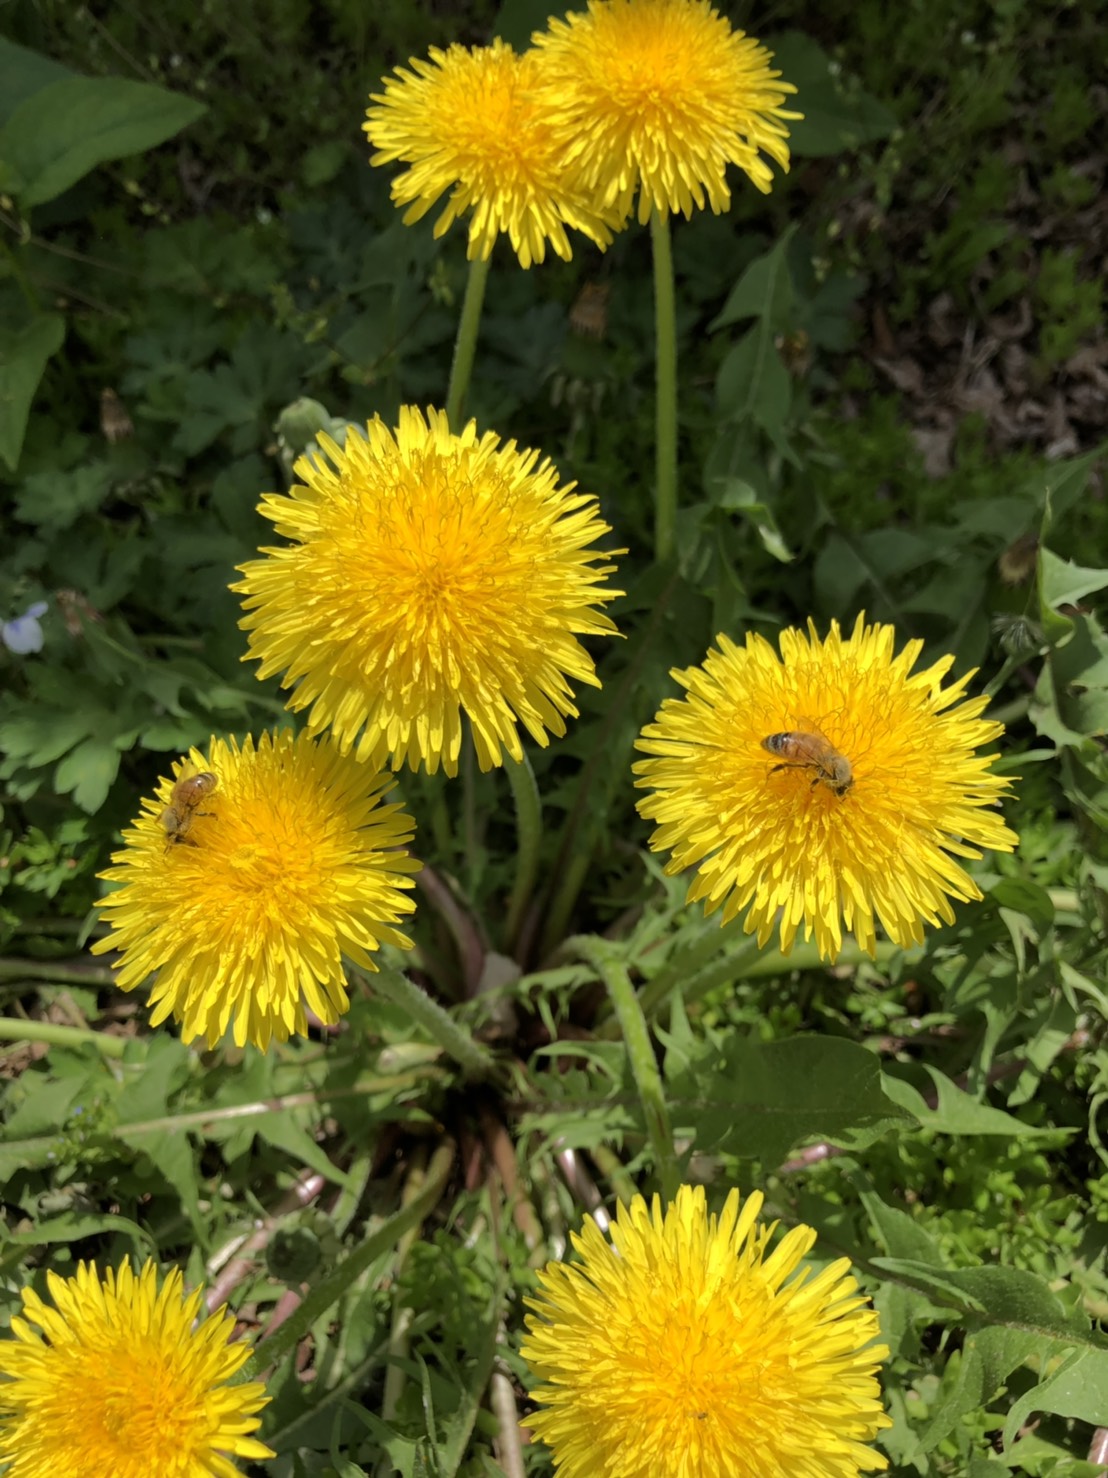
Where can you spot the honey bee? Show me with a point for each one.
(811, 751)
(184, 806)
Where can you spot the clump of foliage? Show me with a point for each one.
(935, 1113)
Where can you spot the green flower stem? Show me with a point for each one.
(270, 1352)
(702, 971)
(441, 1027)
(55, 972)
(614, 1172)
(525, 793)
(665, 350)
(465, 345)
(13, 1030)
(561, 905)
(640, 1054)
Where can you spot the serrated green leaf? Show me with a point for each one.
(54, 500)
(1010, 1298)
(765, 1098)
(1061, 582)
(90, 770)
(1079, 1390)
(42, 736)
(67, 128)
(956, 1111)
(23, 356)
(77, 1226)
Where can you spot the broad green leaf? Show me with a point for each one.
(172, 1156)
(1079, 1389)
(156, 1069)
(67, 128)
(902, 1234)
(1023, 1301)
(22, 73)
(753, 383)
(1010, 1298)
(48, 1108)
(1082, 662)
(956, 1111)
(846, 565)
(1071, 696)
(34, 1153)
(1025, 897)
(23, 356)
(836, 118)
(765, 1099)
(765, 290)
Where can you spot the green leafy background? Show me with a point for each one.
(195, 241)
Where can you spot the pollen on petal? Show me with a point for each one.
(655, 98)
(115, 1376)
(292, 863)
(469, 121)
(429, 578)
(823, 788)
(686, 1348)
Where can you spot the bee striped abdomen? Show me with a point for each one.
(798, 750)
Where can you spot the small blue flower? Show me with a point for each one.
(24, 634)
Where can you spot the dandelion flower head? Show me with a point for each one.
(687, 1349)
(769, 835)
(115, 1379)
(659, 97)
(291, 862)
(469, 121)
(429, 575)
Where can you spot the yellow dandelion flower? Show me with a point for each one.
(854, 811)
(120, 1382)
(286, 862)
(469, 121)
(659, 96)
(429, 575)
(685, 1349)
